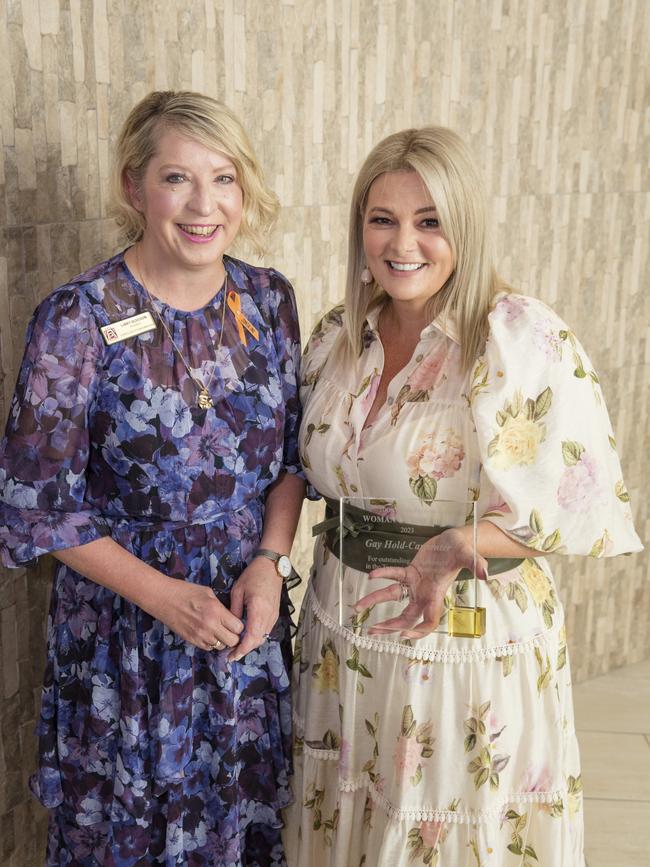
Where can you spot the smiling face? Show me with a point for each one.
(192, 203)
(405, 249)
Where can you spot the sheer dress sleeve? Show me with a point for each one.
(44, 453)
(551, 477)
(287, 343)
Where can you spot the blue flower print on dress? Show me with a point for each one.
(152, 751)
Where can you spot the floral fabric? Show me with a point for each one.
(153, 751)
(451, 751)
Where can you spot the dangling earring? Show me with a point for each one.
(366, 276)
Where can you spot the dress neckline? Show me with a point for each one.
(163, 306)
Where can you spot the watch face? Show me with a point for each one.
(283, 566)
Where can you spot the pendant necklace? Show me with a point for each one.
(204, 400)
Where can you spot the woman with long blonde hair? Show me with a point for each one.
(458, 434)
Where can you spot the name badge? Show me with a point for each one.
(125, 328)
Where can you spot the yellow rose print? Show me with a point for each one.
(518, 443)
(521, 432)
(536, 581)
(326, 672)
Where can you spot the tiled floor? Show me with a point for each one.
(613, 723)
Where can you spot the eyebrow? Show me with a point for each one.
(425, 210)
(167, 166)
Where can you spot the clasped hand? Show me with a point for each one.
(258, 590)
(194, 613)
(425, 582)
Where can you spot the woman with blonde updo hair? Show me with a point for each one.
(151, 447)
(458, 434)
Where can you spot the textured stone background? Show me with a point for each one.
(551, 94)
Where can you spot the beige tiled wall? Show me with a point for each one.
(550, 94)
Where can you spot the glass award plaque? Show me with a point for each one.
(388, 534)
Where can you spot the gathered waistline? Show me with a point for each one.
(132, 524)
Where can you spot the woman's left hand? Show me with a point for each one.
(424, 582)
(257, 590)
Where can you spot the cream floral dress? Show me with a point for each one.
(452, 751)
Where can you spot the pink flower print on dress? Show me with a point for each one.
(417, 672)
(496, 505)
(429, 373)
(537, 778)
(494, 727)
(388, 511)
(432, 833)
(579, 486)
(370, 393)
(345, 752)
(407, 756)
(547, 339)
(510, 307)
(385, 508)
(438, 457)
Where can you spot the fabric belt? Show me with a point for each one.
(370, 541)
(133, 524)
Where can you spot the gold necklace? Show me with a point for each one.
(204, 400)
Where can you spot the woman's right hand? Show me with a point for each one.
(424, 583)
(195, 614)
(192, 611)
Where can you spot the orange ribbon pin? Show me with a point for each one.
(234, 304)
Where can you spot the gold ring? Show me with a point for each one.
(218, 645)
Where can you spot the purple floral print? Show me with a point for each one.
(153, 751)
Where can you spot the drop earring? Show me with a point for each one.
(366, 276)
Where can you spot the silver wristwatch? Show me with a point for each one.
(282, 563)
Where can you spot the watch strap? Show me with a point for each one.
(274, 556)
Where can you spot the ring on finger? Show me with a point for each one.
(217, 644)
(405, 592)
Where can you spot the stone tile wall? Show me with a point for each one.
(551, 94)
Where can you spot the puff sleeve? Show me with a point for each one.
(314, 359)
(551, 477)
(318, 349)
(44, 453)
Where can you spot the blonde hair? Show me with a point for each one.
(208, 122)
(449, 173)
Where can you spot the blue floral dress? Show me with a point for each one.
(153, 751)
